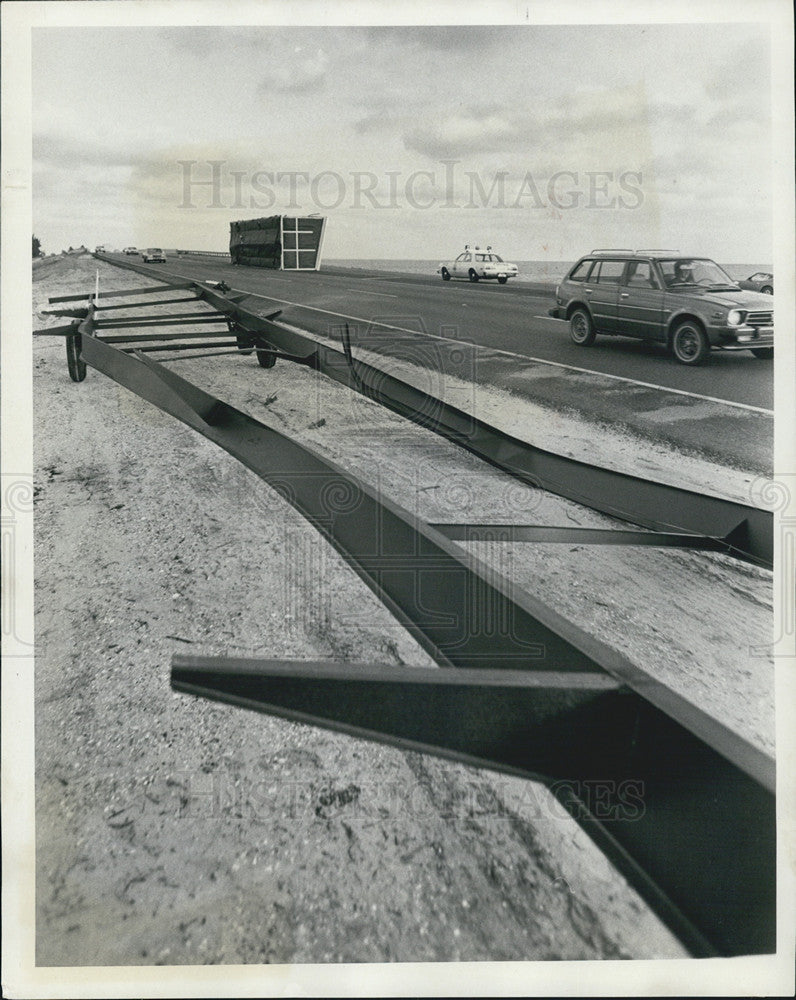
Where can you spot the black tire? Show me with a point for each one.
(690, 344)
(502, 281)
(75, 364)
(473, 275)
(446, 275)
(266, 359)
(581, 328)
(767, 290)
(764, 353)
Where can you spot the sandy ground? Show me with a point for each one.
(171, 830)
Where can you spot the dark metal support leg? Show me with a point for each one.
(692, 831)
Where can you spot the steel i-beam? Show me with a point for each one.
(699, 839)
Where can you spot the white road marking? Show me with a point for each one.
(331, 312)
(525, 357)
(648, 385)
(367, 291)
(654, 385)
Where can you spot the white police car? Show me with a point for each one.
(475, 264)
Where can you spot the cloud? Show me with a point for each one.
(80, 169)
(70, 152)
(742, 117)
(440, 37)
(464, 132)
(202, 41)
(378, 121)
(291, 60)
(745, 72)
(494, 129)
(199, 40)
(295, 71)
(387, 113)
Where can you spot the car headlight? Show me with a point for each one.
(735, 317)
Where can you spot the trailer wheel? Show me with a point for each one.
(266, 359)
(245, 345)
(75, 364)
(446, 275)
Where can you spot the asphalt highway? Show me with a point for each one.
(721, 408)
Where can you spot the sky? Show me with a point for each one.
(542, 141)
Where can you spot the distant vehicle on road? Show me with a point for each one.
(130, 250)
(762, 281)
(690, 304)
(153, 256)
(100, 248)
(475, 264)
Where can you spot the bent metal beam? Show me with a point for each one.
(740, 530)
(531, 693)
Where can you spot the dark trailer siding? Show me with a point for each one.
(256, 242)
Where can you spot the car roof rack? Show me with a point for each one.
(610, 250)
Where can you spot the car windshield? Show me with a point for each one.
(695, 272)
(154, 250)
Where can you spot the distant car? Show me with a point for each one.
(100, 248)
(130, 250)
(689, 304)
(762, 281)
(475, 264)
(153, 256)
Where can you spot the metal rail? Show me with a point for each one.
(740, 530)
(682, 805)
(203, 253)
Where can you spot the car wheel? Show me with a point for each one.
(690, 344)
(503, 280)
(266, 359)
(473, 275)
(446, 275)
(765, 353)
(767, 290)
(581, 328)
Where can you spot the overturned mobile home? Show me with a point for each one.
(287, 243)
